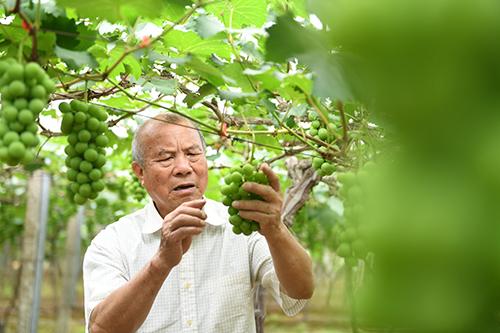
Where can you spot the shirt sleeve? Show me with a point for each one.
(263, 272)
(103, 270)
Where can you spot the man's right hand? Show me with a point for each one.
(179, 226)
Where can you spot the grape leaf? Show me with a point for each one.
(125, 10)
(240, 13)
(190, 42)
(75, 59)
(207, 26)
(165, 86)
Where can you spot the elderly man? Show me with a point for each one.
(176, 265)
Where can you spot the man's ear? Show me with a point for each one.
(139, 172)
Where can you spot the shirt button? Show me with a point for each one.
(189, 322)
(187, 285)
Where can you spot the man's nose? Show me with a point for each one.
(182, 165)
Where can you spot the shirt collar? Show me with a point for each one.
(154, 221)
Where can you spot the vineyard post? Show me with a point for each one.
(33, 250)
(70, 270)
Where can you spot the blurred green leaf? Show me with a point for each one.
(76, 59)
(240, 13)
(188, 42)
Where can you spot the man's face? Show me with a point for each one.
(175, 168)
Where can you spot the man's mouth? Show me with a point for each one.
(185, 186)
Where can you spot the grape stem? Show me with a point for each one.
(340, 107)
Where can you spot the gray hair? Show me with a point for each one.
(165, 118)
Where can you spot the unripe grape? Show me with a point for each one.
(36, 106)
(327, 169)
(102, 141)
(10, 137)
(21, 103)
(323, 134)
(38, 92)
(15, 72)
(25, 117)
(17, 150)
(317, 162)
(64, 107)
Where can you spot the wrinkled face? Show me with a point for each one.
(175, 168)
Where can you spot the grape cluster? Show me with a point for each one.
(25, 90)
(233, 191)
(349, 236)
(326, 134)
(86, 129)
(135, 188)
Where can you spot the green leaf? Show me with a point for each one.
(235, 95)
(207, 26)
(290, 122)
(206, 71)
(132, 66)
(175, 9)
(300, 81)
(165, 86)
(329, 76)
(66, 39)
(267, 139)
(240, 13)
(12, 32)
(234, 74)
(46, 41)
(76, 59)
(297, 7)
(113, 10)
(310, 48)
(205, 90)
(287, 39)
(190, 43)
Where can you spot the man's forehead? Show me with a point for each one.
(171, 135)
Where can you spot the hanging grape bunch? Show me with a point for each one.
(233, 191)
(325, 133)
(86, 129)
(135, 188)
(25, 90)
(348, 236)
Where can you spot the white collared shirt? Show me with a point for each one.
(210, 290)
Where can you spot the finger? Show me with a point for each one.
(271, 176)
(186, 210)
(184, 233)
(265, 191)
(185, 221)
(256, 216)
(198, 203)
(253, 205)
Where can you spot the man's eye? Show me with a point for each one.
(166, 159)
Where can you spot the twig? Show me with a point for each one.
(112, 123)
(340, 107)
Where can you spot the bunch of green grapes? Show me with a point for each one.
(135, 188)
(86, 128)
(233, 191)
(325, 133)
(25, 90)
(349, 236)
